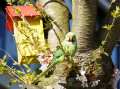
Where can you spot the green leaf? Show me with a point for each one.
(102, 51)
(103, 42)
(26, 65)
(20, 72)
(3, 70)
(105, 26)
(11, 82)
(116, 13)
(108, 27)
(9, 2)
(28, 70)
(113, 14)
(4, 57)
(117, 8)
(117, 44)
(16, 63)
(4, 63)
(95, 57)
(47, 13)
(25, 60)
(36, 17)
(106, 53)
(96, 66)
(100, 46)
(13, 1)
(21, 1)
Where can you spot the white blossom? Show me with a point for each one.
(44, 60)
(44, 67)
(82, 79)
(82, 71)
(40, 59)
(95, 83)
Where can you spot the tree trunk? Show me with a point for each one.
(84, 19)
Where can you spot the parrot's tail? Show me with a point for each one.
(44, 72)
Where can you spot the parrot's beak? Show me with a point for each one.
(71, 39)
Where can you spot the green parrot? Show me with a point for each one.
(69, 47)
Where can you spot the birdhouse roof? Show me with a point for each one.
(27, 11)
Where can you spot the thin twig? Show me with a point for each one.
(75, 69)
(14, 77)
(15, 74)
(22, 69)
(8, 54)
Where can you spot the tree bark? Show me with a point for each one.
(84, 22)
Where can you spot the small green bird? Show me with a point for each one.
(69, 47)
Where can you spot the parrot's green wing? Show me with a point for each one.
(59, 53)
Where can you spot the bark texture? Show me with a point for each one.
(84, 20)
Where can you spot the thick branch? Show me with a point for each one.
(115, 30)
(59, 11)
(84, 20)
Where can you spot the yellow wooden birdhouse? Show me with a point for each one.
(27, 37)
